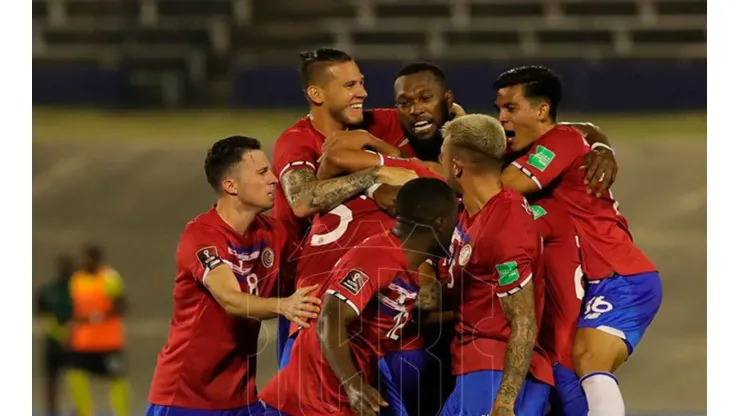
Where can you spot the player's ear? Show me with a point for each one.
(229, 187)
(450, 99)
(315, 94)
(543, 111)
(457, 166)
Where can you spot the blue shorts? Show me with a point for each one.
(283, 331)
(567, 398)
(390, 391)
(475, 393)
(623, 306)
(271, 411)
(254, 409)
(406, 369)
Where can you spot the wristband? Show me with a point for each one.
(597, 145)
(371, 190)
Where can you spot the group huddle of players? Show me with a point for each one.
(421, 261)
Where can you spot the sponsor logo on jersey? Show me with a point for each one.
(354, 281)
(208, 257)
(508, 273)
(464, 257)
(268, 257)
(538, 211)
(541, 158)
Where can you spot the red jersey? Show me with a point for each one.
(300, 146)
(555, 164)
(209, 361)
(334, 233)
(374, 279)
(495, 251)
(563, 280)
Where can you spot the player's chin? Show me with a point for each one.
(352, 116)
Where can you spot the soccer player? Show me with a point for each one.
(228, 261)
(624, 291)
(563, 279)
(495, 250)
(333, 86)
(55, 307)
(97, 339)
(368, 299)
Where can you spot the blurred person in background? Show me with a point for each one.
(54, 306)
(97, 338)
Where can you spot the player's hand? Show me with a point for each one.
(456, 110)
(395, 176)
(385, 197)
(299, 307)
(601, 170)
(364, 399)
(348, 140)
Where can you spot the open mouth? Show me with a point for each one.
(509, 135)
(424, 126)
(357, 106)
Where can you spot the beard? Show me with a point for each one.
(428, 149)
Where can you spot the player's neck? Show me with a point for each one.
(415, 246)
(543, 128)
(324, 122)
(479, 191)
(238, 216)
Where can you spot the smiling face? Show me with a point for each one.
(341, 91)
(423, 105)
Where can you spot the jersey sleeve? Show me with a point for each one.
(199, 252)
(293, 150)
(357, 282)
(550, 157)
(514, 251)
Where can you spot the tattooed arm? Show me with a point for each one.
(519, 310)
(308, 195)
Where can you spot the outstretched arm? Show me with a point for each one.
(308, 195)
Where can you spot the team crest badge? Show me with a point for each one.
(268, 257)
(464, 257)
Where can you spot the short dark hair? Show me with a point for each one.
(538, 82)
(418, 67)
(224, 154)
(314, 62)
(421, 200)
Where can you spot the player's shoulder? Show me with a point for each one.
(509, 214)
(381, 250)
(562, 136)
(297, 131)
(205, 223)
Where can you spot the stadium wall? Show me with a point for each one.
(596, 86)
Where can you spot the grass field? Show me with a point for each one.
(132, 180)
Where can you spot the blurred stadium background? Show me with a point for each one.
(128, 95)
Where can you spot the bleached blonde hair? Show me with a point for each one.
(479, 135)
